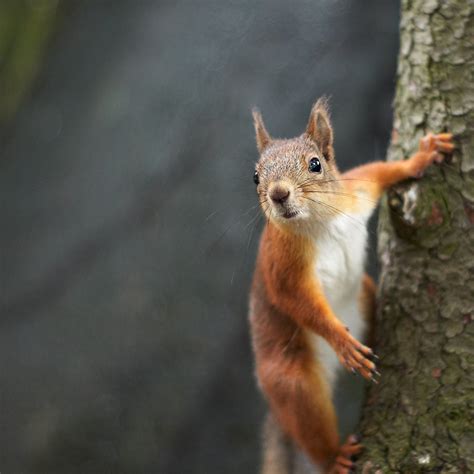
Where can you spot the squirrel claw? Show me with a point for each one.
(376, 373)
(374, 357)
(445, 136)
(447, 147)
(356, 358)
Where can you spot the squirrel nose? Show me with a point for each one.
(279, 194)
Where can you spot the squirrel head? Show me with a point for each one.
(297, 179)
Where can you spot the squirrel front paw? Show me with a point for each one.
(354, 356)
(430, 150)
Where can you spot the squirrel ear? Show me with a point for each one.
(319, 127)
(262, 136)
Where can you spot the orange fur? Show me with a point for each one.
(374, 178)
(367, 303)
(294, 388)
(286, 299)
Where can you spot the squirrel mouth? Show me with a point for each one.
(289, 214)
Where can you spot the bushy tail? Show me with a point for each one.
(278, 451)
(280, 456)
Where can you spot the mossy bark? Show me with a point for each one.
(25, 27)
(420, 418)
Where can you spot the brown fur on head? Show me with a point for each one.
(291, 188)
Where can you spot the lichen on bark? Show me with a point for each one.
(420, 418)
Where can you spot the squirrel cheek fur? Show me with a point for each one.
(311, 301)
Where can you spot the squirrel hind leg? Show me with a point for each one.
(344, 462)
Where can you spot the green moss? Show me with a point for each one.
(25, 28)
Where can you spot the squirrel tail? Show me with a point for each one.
(278, 450)
(280, 455)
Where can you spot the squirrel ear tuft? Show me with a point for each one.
(262, 136)
(319, 127)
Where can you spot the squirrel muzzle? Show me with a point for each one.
(279, 193)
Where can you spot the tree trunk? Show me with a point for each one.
(420, 418)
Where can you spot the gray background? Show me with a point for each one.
(128, 232)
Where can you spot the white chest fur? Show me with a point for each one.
(339, 267)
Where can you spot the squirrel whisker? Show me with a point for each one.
(338, 211)
(355, 196)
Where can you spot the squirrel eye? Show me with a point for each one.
(255, 178)
(315, 165)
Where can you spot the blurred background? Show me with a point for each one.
(129, 226)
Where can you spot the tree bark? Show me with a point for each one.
(420, 418)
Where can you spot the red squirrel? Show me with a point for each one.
(311, 302)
